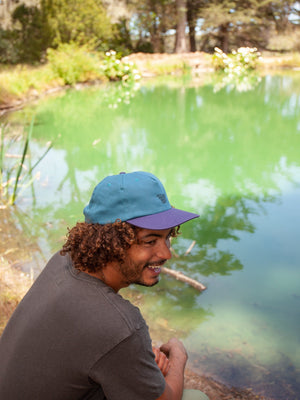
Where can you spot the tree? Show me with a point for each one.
(78, 21)
(151, 20)
(222, 17)
(192, 11)
(232, 23)
(180, 41)
(32, 33)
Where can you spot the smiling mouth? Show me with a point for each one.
(156, 267)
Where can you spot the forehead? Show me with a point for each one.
(145, 233)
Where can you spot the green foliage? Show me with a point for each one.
(230, 24)
(150, 23)
(33, 35)
(122, 40)
(73, 63)
(82, 22)
(56, 21)
(67, 65)
(145, 26)
(115, 69)
(8, 47)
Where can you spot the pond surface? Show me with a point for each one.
(232, 156)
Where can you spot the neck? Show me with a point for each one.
(110, 276)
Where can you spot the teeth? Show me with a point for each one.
(153, 266)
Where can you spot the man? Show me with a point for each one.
(73, 336)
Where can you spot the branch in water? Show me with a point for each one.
(181, 277)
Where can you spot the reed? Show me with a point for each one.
(15, 176)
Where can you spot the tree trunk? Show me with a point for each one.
(192, 24)
(192, 38)
(156, 42)
(180, 43)
(224, 45)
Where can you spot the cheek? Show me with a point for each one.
(142, 258)
(139, 254)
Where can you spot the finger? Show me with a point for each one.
(165, 349)
(162, 361)
(165, 368)
(156, 352)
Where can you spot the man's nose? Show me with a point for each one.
(164, 251)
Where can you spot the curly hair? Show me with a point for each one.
(93, 246)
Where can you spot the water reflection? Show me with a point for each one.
(226, 219)
(242, 82)
(120, 93)
(168, 295)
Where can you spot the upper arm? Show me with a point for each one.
(130, 370)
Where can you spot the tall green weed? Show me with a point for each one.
(73, 63)
(15, 164)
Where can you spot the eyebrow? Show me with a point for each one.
(149, 235)
(154, 234)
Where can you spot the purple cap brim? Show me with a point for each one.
(163, 220)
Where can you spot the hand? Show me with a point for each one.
(175, 349)
(161, 360)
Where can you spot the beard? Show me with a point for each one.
(133, 273)
(147, 284)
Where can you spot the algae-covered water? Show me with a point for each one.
(232, 156)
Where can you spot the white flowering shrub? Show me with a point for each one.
(238, 68)
(116, 69)
(239, 61)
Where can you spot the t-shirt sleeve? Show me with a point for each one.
(129, 370)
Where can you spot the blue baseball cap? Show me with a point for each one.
(138, 198)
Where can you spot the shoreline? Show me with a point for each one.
(154, 65)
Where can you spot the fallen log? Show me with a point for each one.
(183, 278)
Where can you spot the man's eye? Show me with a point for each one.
(149, 242)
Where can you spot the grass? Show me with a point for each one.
(15, 249)
(278, 60)
(67, 66)
(20, 81)
(13, 286)
(168, 68)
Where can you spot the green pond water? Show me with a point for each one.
(232, 156)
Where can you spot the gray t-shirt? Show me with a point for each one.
(72, 336)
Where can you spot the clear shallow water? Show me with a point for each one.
(235, 158)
